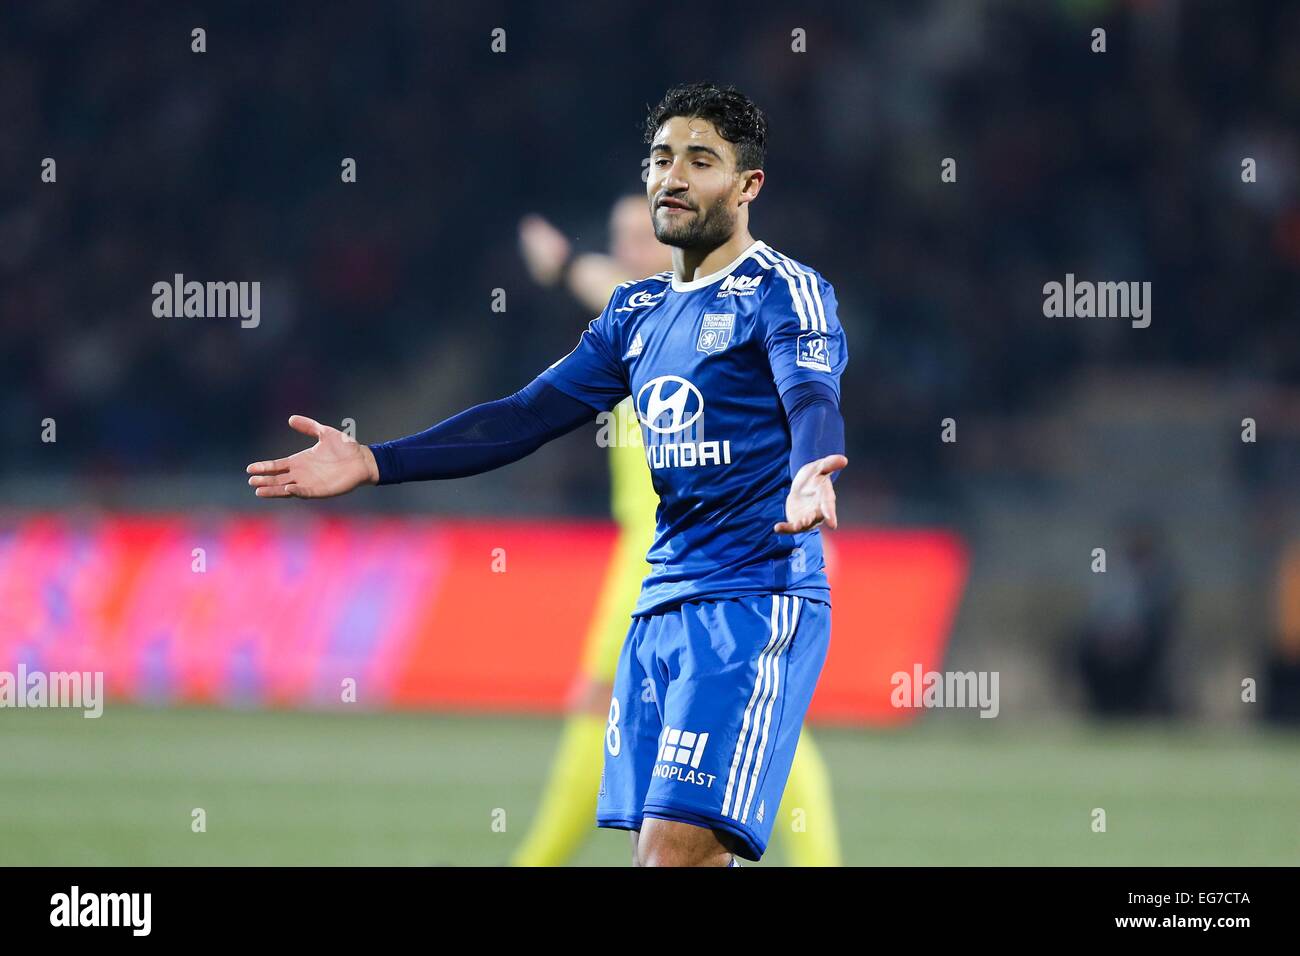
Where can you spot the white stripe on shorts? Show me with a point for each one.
(767, 716)
(764, 688)
(749, 708)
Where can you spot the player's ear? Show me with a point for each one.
(751, 181)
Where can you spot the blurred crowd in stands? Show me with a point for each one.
(225, 165)
(377, 297)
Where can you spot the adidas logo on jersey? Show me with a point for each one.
(635, 348)
(739, 285)
(680, 753)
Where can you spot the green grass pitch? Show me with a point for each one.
(283, 788)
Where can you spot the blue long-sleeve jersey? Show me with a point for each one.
(735, 377)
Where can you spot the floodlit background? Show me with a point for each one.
(1165, 690)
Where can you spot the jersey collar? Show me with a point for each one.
(713, 277)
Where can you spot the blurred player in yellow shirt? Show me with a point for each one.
(568, 806)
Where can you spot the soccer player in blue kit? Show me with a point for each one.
(733, 360)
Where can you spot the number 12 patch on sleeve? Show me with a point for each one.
(814, 353)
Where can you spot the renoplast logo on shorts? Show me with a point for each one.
(680, 753)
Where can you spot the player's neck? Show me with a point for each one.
(691, 264)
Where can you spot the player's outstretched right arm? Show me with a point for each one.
(333, 466)
(479, 439)
(567, 394)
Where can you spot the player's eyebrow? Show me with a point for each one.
(692, 148)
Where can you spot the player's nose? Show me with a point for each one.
(673, 179)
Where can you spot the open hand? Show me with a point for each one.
(333, 466)
(812, 496)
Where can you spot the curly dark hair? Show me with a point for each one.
(732, 113)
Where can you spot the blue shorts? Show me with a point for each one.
(709, 699)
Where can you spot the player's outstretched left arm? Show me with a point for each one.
(807, 353)
(816, 456)
(811, 501)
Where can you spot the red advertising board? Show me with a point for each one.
(419, 613)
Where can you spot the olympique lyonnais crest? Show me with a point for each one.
(715, 332)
